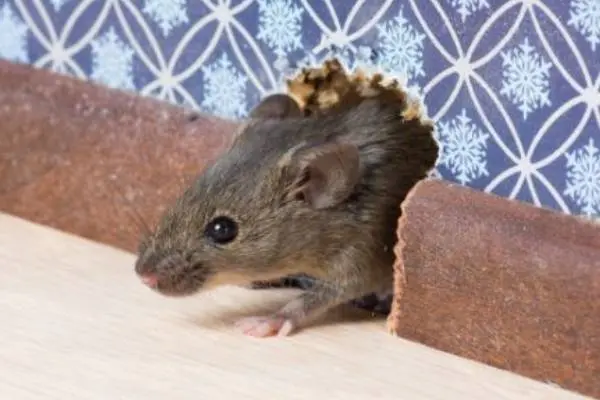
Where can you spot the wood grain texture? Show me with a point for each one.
(76, 324)
(522, 283)
(86, 159)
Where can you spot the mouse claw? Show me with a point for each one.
(265, 326)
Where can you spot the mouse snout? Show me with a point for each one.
(149, 279)
(151, 269)
(171, 274)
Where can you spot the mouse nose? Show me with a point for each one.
(149, 280)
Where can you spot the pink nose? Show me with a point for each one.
(149, 280)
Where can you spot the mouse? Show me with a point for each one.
(294, 195)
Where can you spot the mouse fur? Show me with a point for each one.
(317, 196)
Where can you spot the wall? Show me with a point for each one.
(513, 85)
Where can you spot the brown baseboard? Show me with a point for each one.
(501, 282)
(67, 147)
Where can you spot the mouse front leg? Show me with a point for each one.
(298, 311)
(347, 281)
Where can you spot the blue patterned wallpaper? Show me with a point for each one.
(514, 85)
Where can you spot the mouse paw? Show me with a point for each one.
(265, 326)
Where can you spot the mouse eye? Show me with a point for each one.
(221, 230)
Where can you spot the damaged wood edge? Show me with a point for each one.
(330, 84)
(393, 321)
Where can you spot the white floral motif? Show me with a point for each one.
(463, 148)
(224, 89)
(167, 13)
(279, 26)
(525, 78)
(467, 7)
(13, 39)
(57, 4)
(540, 93)
(112, 61)
(401, 48)
(585, 17)
(583, 178)
(362, 58)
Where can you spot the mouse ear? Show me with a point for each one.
(277, 106)
(324, 175)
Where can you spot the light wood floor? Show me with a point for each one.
(76, 324)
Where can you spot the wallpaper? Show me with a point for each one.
(513, 85)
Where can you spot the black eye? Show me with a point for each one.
(221, 230)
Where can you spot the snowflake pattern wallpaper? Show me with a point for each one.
(513, 85)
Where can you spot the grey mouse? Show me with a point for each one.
(316, 196)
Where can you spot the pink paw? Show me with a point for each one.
(265, 326)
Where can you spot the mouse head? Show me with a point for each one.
(252, 214)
